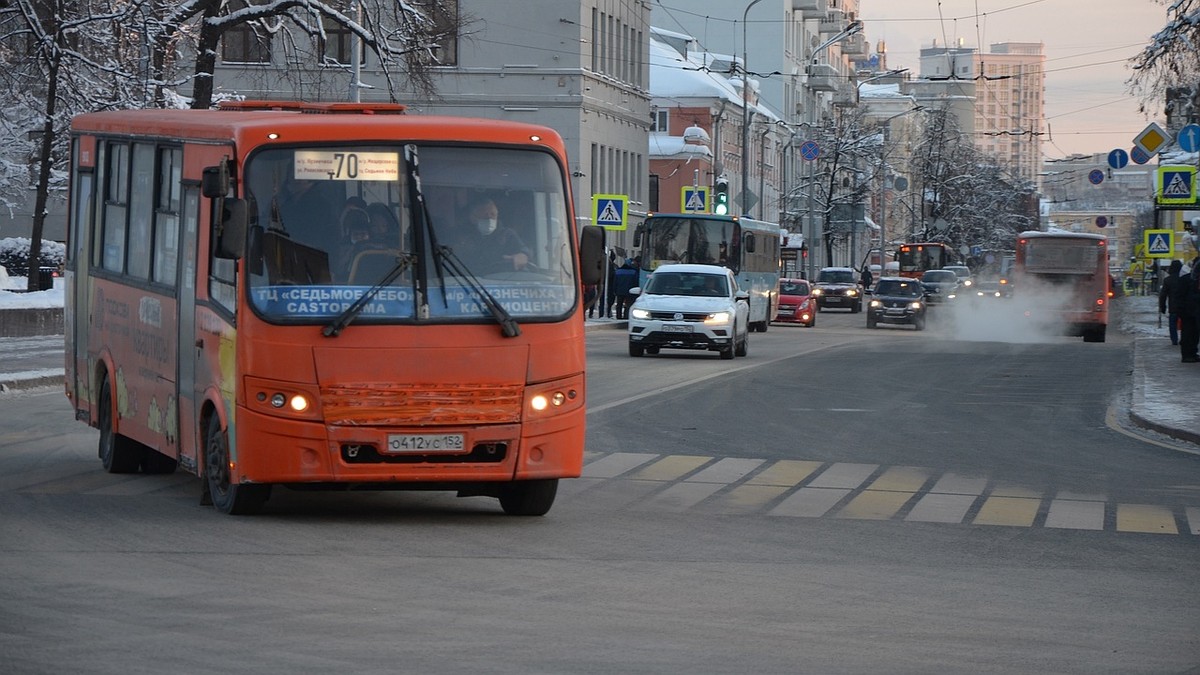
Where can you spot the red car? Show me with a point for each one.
(796, 304)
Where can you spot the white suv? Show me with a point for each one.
(690, 307)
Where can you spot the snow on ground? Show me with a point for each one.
(10, 299)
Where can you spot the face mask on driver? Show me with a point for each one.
(486, 225)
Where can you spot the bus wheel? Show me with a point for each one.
(118, 454)
(529, 497)
(235, 500)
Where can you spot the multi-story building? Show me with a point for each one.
(1006, 91)
(581, 68)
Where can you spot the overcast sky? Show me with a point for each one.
(1087, 43)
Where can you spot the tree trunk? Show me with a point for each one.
(33, 282)
(206, 58)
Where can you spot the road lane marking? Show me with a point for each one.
(1011, 511)
(1145, 518)
(671, 467)
(1193, 518)
(1076, 515)
(809, 502)
(843, 475)
(941, 508)
(785, 472)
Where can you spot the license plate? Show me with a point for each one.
(418, 443)
(677, 329)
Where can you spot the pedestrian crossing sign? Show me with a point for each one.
(1160, 243)
(610, 211)
(1176, 185)
(694, 199)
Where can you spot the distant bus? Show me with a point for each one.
(750, 248)
(221, 318)
(1061, 282)
(917, 258)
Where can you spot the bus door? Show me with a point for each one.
(78, 281)
(188, 349)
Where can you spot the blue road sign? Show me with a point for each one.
(809, 150)
(1139, 155)
(1118, 158)
(1101, 221)
(1189, 138)
(1095, 176)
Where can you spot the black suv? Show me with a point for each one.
(897, 300)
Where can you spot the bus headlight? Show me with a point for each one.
(287, 399)
(553, 398)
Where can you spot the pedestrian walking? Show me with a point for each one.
(1187, 303)
(625, 281)
(610, 286)
(1166, 300)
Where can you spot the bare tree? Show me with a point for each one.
(1171, 59)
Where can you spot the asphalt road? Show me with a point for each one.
(841, 501)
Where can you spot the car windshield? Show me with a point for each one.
(939, 276)
(836, 277)
(898, 287)
(793, 287)
(961, 272)
(687, 283)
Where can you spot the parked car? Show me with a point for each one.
(690, 307)
(965, 278)
(940, 285)
(796, 302)
(897, 300)
(838, 287)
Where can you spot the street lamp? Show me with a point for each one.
(746, 113)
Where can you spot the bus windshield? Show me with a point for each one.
(679, 239)
(328, 223)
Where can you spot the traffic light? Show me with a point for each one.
(721, 198)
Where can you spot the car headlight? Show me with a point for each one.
(967, 282)
(915, 305)
(639, 313)
(875, 303)
(717, 317)
(850, 293)
(817, 291)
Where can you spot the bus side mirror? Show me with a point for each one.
(231, 233)
(215, 181)
(591, 254)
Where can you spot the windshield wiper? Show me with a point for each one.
(403, 262)
(443, 256)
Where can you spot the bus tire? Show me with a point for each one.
(118, 454)
(234, 500)
(529, 497)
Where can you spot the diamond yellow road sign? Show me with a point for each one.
(1152, 139)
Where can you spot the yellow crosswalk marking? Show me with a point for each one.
(1145, 518)
(1014, 491)
(749, 498)
(1014, 511)
(671, 467)
(901, 479)
(785, 472)
(875, 505)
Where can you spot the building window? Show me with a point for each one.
(245, 43)
(444, 15)
(338, 43)
(658, 121)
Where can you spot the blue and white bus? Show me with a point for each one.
(748, 247)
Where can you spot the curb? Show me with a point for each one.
(7, 386)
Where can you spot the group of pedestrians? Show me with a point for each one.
(612, 298)
(1179, 300)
